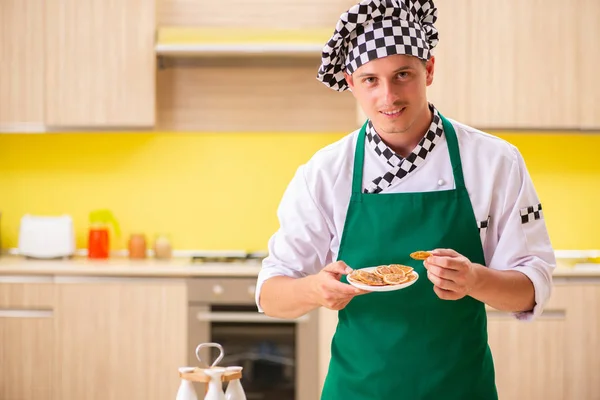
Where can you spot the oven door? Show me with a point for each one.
(279, 356)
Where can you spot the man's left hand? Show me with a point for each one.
(451, 273)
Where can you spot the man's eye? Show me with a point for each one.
(369, 80)
(402, 75)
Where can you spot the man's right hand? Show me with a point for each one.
(328, 291)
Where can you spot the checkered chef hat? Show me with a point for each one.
(375, 29)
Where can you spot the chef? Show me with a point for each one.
(408, 180)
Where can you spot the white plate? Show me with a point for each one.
(387, 288)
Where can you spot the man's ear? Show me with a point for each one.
(430, 68)
(349, 80)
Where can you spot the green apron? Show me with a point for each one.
(409, 344)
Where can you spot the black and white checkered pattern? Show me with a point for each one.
(374, 29)
(531, 213)
(483, 225)
(401, 167)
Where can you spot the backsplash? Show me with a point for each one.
(221, 191)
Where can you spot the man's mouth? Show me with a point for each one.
(393, 113)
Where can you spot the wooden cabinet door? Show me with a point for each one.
(449, 91)
(26, 343)
(21, 65)
(583, 336)
(119, 338)
(26, 338)
(100, 63)
(529, 358)
(589, 59)
(524, 64)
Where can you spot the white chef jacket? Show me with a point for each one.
(313, 209)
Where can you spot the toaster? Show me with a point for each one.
(46, 236)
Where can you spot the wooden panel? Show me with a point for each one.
(21, 62)
(583, 331)
(258, 13)
(546, 75)
(38, 296)
(120, 340)
(100, 63)
(589, 59)
(26, 358)
(529, 357)
(328, 320)
(449, 90)
(262, 95)
(491, 54)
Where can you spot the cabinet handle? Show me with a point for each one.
(246, 317)
(26, 279)
(26, 313)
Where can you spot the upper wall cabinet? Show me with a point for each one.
(589, 61)
(100, 63)
(21, 65)
(517, 64)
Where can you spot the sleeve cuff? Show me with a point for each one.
(542, 287)
(264, 275)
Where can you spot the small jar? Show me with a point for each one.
(137, 246)
(162, 247)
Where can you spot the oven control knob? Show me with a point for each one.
(251, 290)
(218, 289)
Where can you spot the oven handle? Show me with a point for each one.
(246, 317)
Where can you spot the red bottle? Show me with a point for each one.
(98, 243)
(99, 237)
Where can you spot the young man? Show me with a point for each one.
(409, 180)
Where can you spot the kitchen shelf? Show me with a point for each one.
(198, 42)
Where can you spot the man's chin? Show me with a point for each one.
(395, 128)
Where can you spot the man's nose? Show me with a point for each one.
(390, 93)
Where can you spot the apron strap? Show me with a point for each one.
(359, 156)
(452, 141)
(449, 132)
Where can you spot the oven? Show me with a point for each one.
(279, 357)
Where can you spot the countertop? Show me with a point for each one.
(124, 267)
(179, 268)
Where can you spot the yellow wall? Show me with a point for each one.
(220, 191)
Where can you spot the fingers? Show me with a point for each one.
(338, 267)
(445, 253)
(446, 294)
(446, 262)
(442, 283)
(444, 273)
(338, 287)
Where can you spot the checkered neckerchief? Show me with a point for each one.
(400, 167)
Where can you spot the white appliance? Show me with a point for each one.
(46, 236)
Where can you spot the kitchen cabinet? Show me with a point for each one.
(554, 357)
(452, 68)
(100, 63)
(26, 338)
(21, 65)
(523, 64)
(119, 338)
(582, 341)
(530, 358)
(515, 64)
(589, 56)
